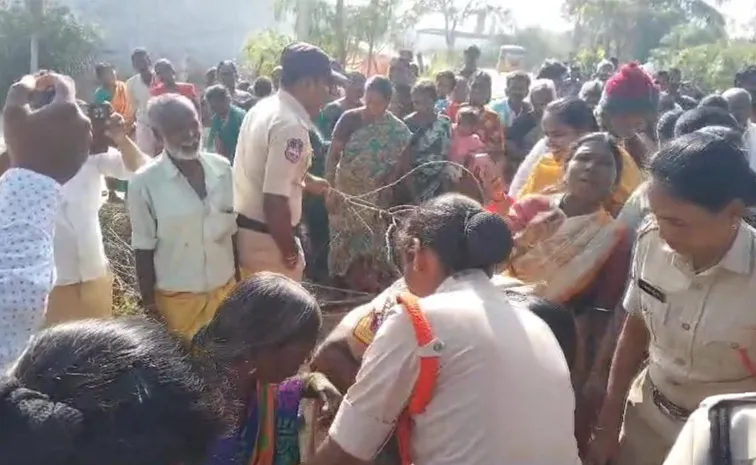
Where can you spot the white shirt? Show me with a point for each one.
(751, 145)
(692, 446)
(503, 392)
(79, 251)
(138, 94)
(28, 205)
(191, 237)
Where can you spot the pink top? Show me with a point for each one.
(464, 146)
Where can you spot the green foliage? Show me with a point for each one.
(710, 66)
(262, 51)
(343, 30)
(65, 44)
(630, 29)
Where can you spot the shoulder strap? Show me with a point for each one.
(426, 380)
(429, 365)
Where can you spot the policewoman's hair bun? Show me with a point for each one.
(463, 235)
(29, 418)
(488, 240)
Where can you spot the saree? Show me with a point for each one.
(561, 264)
(370, 156)
(428, 144)
(547, 175)
(118, 98)
(269, 434)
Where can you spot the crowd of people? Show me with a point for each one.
(562, 275)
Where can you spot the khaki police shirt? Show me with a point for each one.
(702, 326)
(693, 444)
(503, 393)
(272, 156)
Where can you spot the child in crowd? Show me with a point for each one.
(486, 184)
(465, 143)
(446, 81)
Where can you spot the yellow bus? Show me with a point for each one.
(511, 58)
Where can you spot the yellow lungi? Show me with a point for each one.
(647, 432)
(188, 312)
(259, 252)
(90, 299)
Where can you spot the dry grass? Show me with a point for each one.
(116, 231)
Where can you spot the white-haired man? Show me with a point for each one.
(183, 223)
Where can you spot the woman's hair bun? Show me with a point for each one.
(488, 240)
(30, 418)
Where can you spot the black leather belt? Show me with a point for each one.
(667, 406)
(246, 222)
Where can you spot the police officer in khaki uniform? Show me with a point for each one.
(690, 301)
(272, 158)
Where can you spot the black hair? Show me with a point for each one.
(665, 128)
(557, 317)
(473, 50)
(463, 235)
(264, 311)
(748, 72)
(447, 75)
(139, 52)
(123, 389)
(244, 85)
(609, 141)
(380, 85)
(552, 69)
(427, 87)
(716, 101)
(262, 87)
(573, 112)
(356, 77)
(217, 92)
(518, 76)
(229, 64)
(469, 114)
(101, 68)
(700, 117)
(705, 169)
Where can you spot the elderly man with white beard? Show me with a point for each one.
(183, 223)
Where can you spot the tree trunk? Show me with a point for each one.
(340, 36)
(36, 9)
(371, 39)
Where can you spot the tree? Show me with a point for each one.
(262, 51)
(65, 44)
(457, 12)
(711, 66)
(630, 29)
(342, 29)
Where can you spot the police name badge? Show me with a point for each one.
(294, 149)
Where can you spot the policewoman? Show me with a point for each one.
(272, 157)
(463, 376)
(690, 301)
